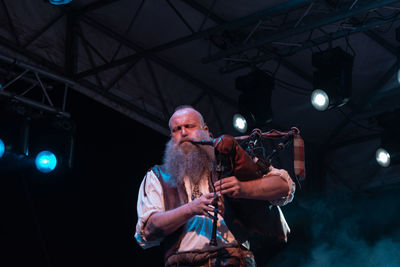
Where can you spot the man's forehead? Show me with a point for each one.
(186, 114)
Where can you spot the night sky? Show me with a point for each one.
(86, 216)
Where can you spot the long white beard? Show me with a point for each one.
(187, 159)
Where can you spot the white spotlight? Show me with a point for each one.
(398, 76)
(240, 123)
(382, 157)
(319, 100)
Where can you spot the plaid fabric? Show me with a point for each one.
(298, 147)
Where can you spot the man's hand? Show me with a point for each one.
(203, 205)
(276, 185)
(229, 186)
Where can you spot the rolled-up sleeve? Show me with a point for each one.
(150, 200)
(292, 186)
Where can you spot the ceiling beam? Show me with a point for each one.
(168, 66)
(218, 20)
(31, 56)
(312, 43)
(71, 43)
(206, 12)
(291, 30)
(44, 29)
(273, 11)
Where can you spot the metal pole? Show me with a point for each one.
(30, 67)
(36, 104)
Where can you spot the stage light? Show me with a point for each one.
(255, 99)
(319, 99)
(333, 77)
(60, 2)
(2, 148)
(398, 76)
(46, 161)
(388, 153)
(55, 135)
(382, 157)
(239, 123)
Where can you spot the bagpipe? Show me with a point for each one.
(246, 158)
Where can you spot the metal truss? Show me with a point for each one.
(34, 77)
(293, 28)
(251, 41)
(274, 11)
(66, 73)
(208, 14)
(248, 28)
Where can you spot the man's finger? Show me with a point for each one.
(208, 208)
(209, 215)
(209, 195)
(218, 183)
(226, 191)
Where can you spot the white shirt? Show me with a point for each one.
(198, 229)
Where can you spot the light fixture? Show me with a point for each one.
(255, 98)
(319, 99)
(333, 78)
(388, 153)
(239, 123)
(55, 135)
(2, 148)
(60, 2)
(46, 161)
(382, 157)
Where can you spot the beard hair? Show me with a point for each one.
(187, 159)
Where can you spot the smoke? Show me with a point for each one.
(361, 230)
(349, 251)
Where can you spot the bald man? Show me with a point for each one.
(175, 199)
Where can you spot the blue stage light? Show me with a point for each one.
(45, 161)
(60, 2)
(2, 148)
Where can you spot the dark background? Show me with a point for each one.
(86, 216)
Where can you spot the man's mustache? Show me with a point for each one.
(183, 140)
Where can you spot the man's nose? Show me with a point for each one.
(184, 132)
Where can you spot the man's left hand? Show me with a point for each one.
(229, 186)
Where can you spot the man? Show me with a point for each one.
(174, 201)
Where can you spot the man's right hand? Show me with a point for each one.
(203, 205)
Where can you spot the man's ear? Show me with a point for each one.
(205, 128)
